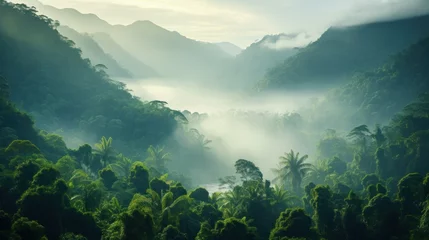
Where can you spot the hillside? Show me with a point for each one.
(253, 62)
(49, 79)
(167, 52)
(229, 48)
(379, 94)
(92, 51)
(340, 52)
(137, 68)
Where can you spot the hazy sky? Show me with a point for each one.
(244, 21)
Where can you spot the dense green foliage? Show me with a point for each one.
(367, 184)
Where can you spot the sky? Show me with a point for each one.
(243, 22)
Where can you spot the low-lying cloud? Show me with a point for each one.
(287, 41)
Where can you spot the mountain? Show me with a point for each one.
(379, 94)
(92, 51)
(376, 96)
(170, 53)
(229, 48)
(137, 68)
(167, 52)
(340, 52)
(252, 63)
(49, 79)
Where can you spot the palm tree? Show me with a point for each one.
(158, 157)
(292, 167)
(378, 136)
(360, 134)
(104, 149)
(122, 166)
(200, 139)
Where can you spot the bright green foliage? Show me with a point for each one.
(139, 177)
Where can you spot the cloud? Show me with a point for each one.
(287, 41)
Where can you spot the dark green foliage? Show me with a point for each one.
(381, 216)
(323, 210)
(27, 229)
(293, 223)
(81, 224)
(171, 233)
(46, 176)
(411, 194)
(139, 177)
(369, 179)
(45, 205)
(338, 166)
(208, 213)
(24, 174)
(247, 170)
(137, 226)
(159, 186)
(108, 177)
(232, 228)
(200, 194)
(178, 190)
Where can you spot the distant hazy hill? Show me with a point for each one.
(229, 48)
(340, 52)
(168, 52)
(138, 68)
(252, 63)
(92, 51)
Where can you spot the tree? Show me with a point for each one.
(104, 149)
(139, 177)
(293, 223)
(108, 177)
(294, 168)
(248, 170)
(137, 226)
(158, 158)
(360, 134)
(122, 166)
(200, 194)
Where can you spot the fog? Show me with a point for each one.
(240, 126)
